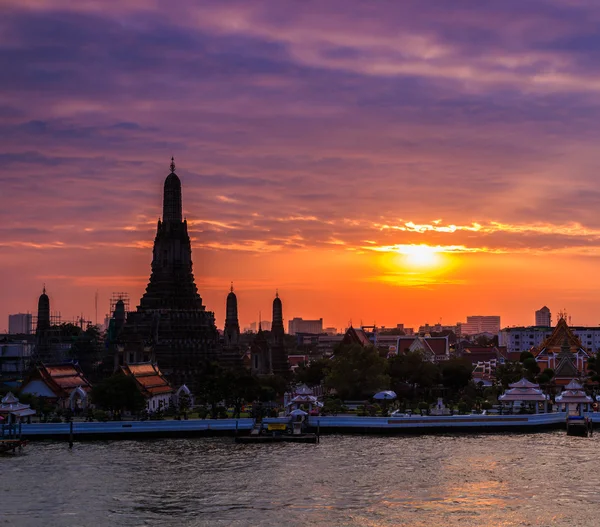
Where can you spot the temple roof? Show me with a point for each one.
(574, 385)
(11, 405)
(523, 383)
(356, 336)
(557, 339)
(437, 346)
(148, 377)
(61, 379)
(573, 394)
(523, 390)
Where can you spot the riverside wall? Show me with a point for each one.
(323, 424)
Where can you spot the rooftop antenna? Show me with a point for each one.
(231, 287)
(172, 165)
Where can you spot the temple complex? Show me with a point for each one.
(563, 352)
(170, 326)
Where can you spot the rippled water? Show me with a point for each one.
(474, 480)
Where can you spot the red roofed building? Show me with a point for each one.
(356, 336)
(477, 354)
(435, 349)
(152, 384)
(63, 383)
(563, 352)
(298, 360)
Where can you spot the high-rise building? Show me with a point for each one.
(265, 325)
(19, 324)
(171, 325)
(543, 317)
(480, 324)
(299, 325)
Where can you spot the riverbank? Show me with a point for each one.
(348, 424)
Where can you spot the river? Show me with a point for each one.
(450, 480)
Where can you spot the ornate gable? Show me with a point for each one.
(555, 341)
(566, 368)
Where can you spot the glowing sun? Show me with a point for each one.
(420, 255)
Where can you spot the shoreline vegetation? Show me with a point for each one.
(347, 381)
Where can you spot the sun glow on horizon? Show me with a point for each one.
(421, 255)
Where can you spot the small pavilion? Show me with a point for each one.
(573, 399)
(13, 410)
(303, 397)
(524, 391)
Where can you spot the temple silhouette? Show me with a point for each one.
(171, 327)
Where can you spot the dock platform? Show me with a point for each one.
(8, 445)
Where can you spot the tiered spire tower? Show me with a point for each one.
(232, 325)
(171, 326)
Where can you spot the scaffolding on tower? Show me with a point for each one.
(115, 297)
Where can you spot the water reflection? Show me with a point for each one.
(487, 480)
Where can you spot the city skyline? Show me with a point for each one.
(373, 165)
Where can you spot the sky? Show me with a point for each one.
(376, 162)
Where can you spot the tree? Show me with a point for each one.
(357, 372)
(508, 373)
(212, 386)
(117, 393)
(315, 373)
(184, 401)
(88, 350)
(456, 373)
(413, 370)
(531, 368)
(525, 355)
(545, 378)
(242, 387)
(593, 369)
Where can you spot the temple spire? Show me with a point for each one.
(172, 197)
(277, 330)
(232, 325)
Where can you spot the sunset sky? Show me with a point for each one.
(377, 162)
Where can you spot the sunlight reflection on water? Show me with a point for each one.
(485, 480)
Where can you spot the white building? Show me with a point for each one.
(521, 339)
(15, 357)
(480, 324)
(19, 324)
(543, 317)
(299, 325)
